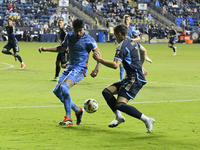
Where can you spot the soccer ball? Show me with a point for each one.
(90, 105)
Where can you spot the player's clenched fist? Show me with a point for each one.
(41, 49)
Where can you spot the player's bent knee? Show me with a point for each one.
(105, 91)
(118, 104)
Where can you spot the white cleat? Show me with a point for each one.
(116, 122)
(148, 59)
(149, 125)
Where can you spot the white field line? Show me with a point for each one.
(10, 66)
(145, 102)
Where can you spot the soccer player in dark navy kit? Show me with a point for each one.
(172, 39)
(132, 56)
(80, 44)
(62, 57)
(133, 35)
(12, 43)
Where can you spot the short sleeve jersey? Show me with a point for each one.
(172, 32)
(128, 53)
(61, 34)
(79, 49)
(131, 32)
(11, 35)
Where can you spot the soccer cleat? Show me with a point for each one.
(148, 59)
(79, 116)
(54, 79)
(22, 66)
(67, 121)
(15, 58)
(149, 125)
(174, 54)
(116, 122)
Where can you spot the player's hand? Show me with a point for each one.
(41, 49)
(2, 33)
(97, 55)
(144, 71)
(94, 73)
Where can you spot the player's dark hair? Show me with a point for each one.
(78, 23)
(121, 29)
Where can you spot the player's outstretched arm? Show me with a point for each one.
(52, 49)
(143, 53)
(96, 69)
(111, 64)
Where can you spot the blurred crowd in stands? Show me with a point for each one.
(42, 15)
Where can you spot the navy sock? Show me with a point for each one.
(19, 58)
(174, 49)
(110, 99)
(57, 70)
(130, 110)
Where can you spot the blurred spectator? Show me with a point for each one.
(46, 25)
(190, 19)
(150, 17)
(99, 6)
(157, 3)
(178, 21)
(40, 25)
(33, 11)
(26, 35)
(96, 21)
(41, 31)
(10, 6)
(45, 9)
(36, 25)
(19, 10)
(85, 3)
(46, 31)
(27, 11)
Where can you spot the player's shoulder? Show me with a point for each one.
(70, 33)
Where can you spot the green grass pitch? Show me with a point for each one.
(30, 112)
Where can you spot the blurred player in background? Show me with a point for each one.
(80, 44)
(133, 35)
(62, 57)
(172, 39)
(12, 43)
(132, 56)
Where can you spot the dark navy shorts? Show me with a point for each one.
(62, 57)
(10, 46)
(128, 88)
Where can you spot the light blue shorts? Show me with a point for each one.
(75, 74)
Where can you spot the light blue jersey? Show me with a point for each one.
(131, 32)
(79, 49)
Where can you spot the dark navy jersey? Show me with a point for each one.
(61, 35)
(11, 35)
(128, 52)
(172, 32)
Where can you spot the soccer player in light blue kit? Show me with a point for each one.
(133, 35)
(80, 45)
(132, 56)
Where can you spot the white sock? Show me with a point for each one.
(144, 118)
(22, 63)
(118, 114)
